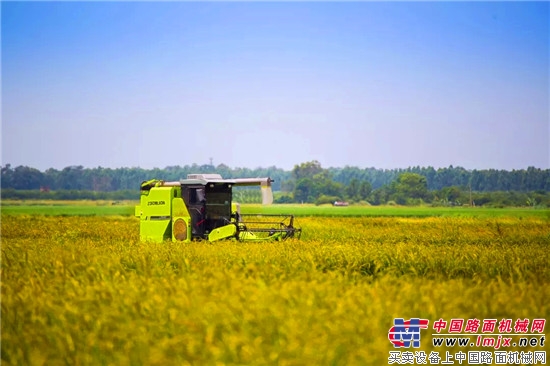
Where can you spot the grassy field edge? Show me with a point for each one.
(126, 208)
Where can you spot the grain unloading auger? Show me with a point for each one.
(201, 208)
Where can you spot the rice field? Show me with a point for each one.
(82, 290)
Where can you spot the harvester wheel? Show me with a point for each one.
(180, 230)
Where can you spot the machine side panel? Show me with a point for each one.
(155, 214)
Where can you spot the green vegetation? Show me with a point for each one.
(307, 183)
(414, 187)
(395, 211)
(21, 194)
(68, 210)
(126, 208)
(84, 290)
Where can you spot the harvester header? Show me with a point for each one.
(201, 208)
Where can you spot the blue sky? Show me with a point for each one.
(259, 84)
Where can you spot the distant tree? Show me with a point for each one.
(72, 177)
(411, 185)
(365, 190)
(452, 193)
(352, 190)
(6, 178)
(306, 170)
(329, 187)
(23, 177)
(379, 196)
(288, 185)
(303, 190)
(451, 196)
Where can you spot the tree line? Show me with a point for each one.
(413, 186)
(109, 180)
(307, 182)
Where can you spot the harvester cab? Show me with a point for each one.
(201, 208)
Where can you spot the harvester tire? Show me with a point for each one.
(180, 230)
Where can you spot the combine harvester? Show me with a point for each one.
(201, 208)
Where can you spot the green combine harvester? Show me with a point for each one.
(201, 208)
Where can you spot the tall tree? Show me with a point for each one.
(306, 170)
(303, 190)
(412, 185)
(352, 189)
(365, 190)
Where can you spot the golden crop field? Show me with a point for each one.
(86, 291)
